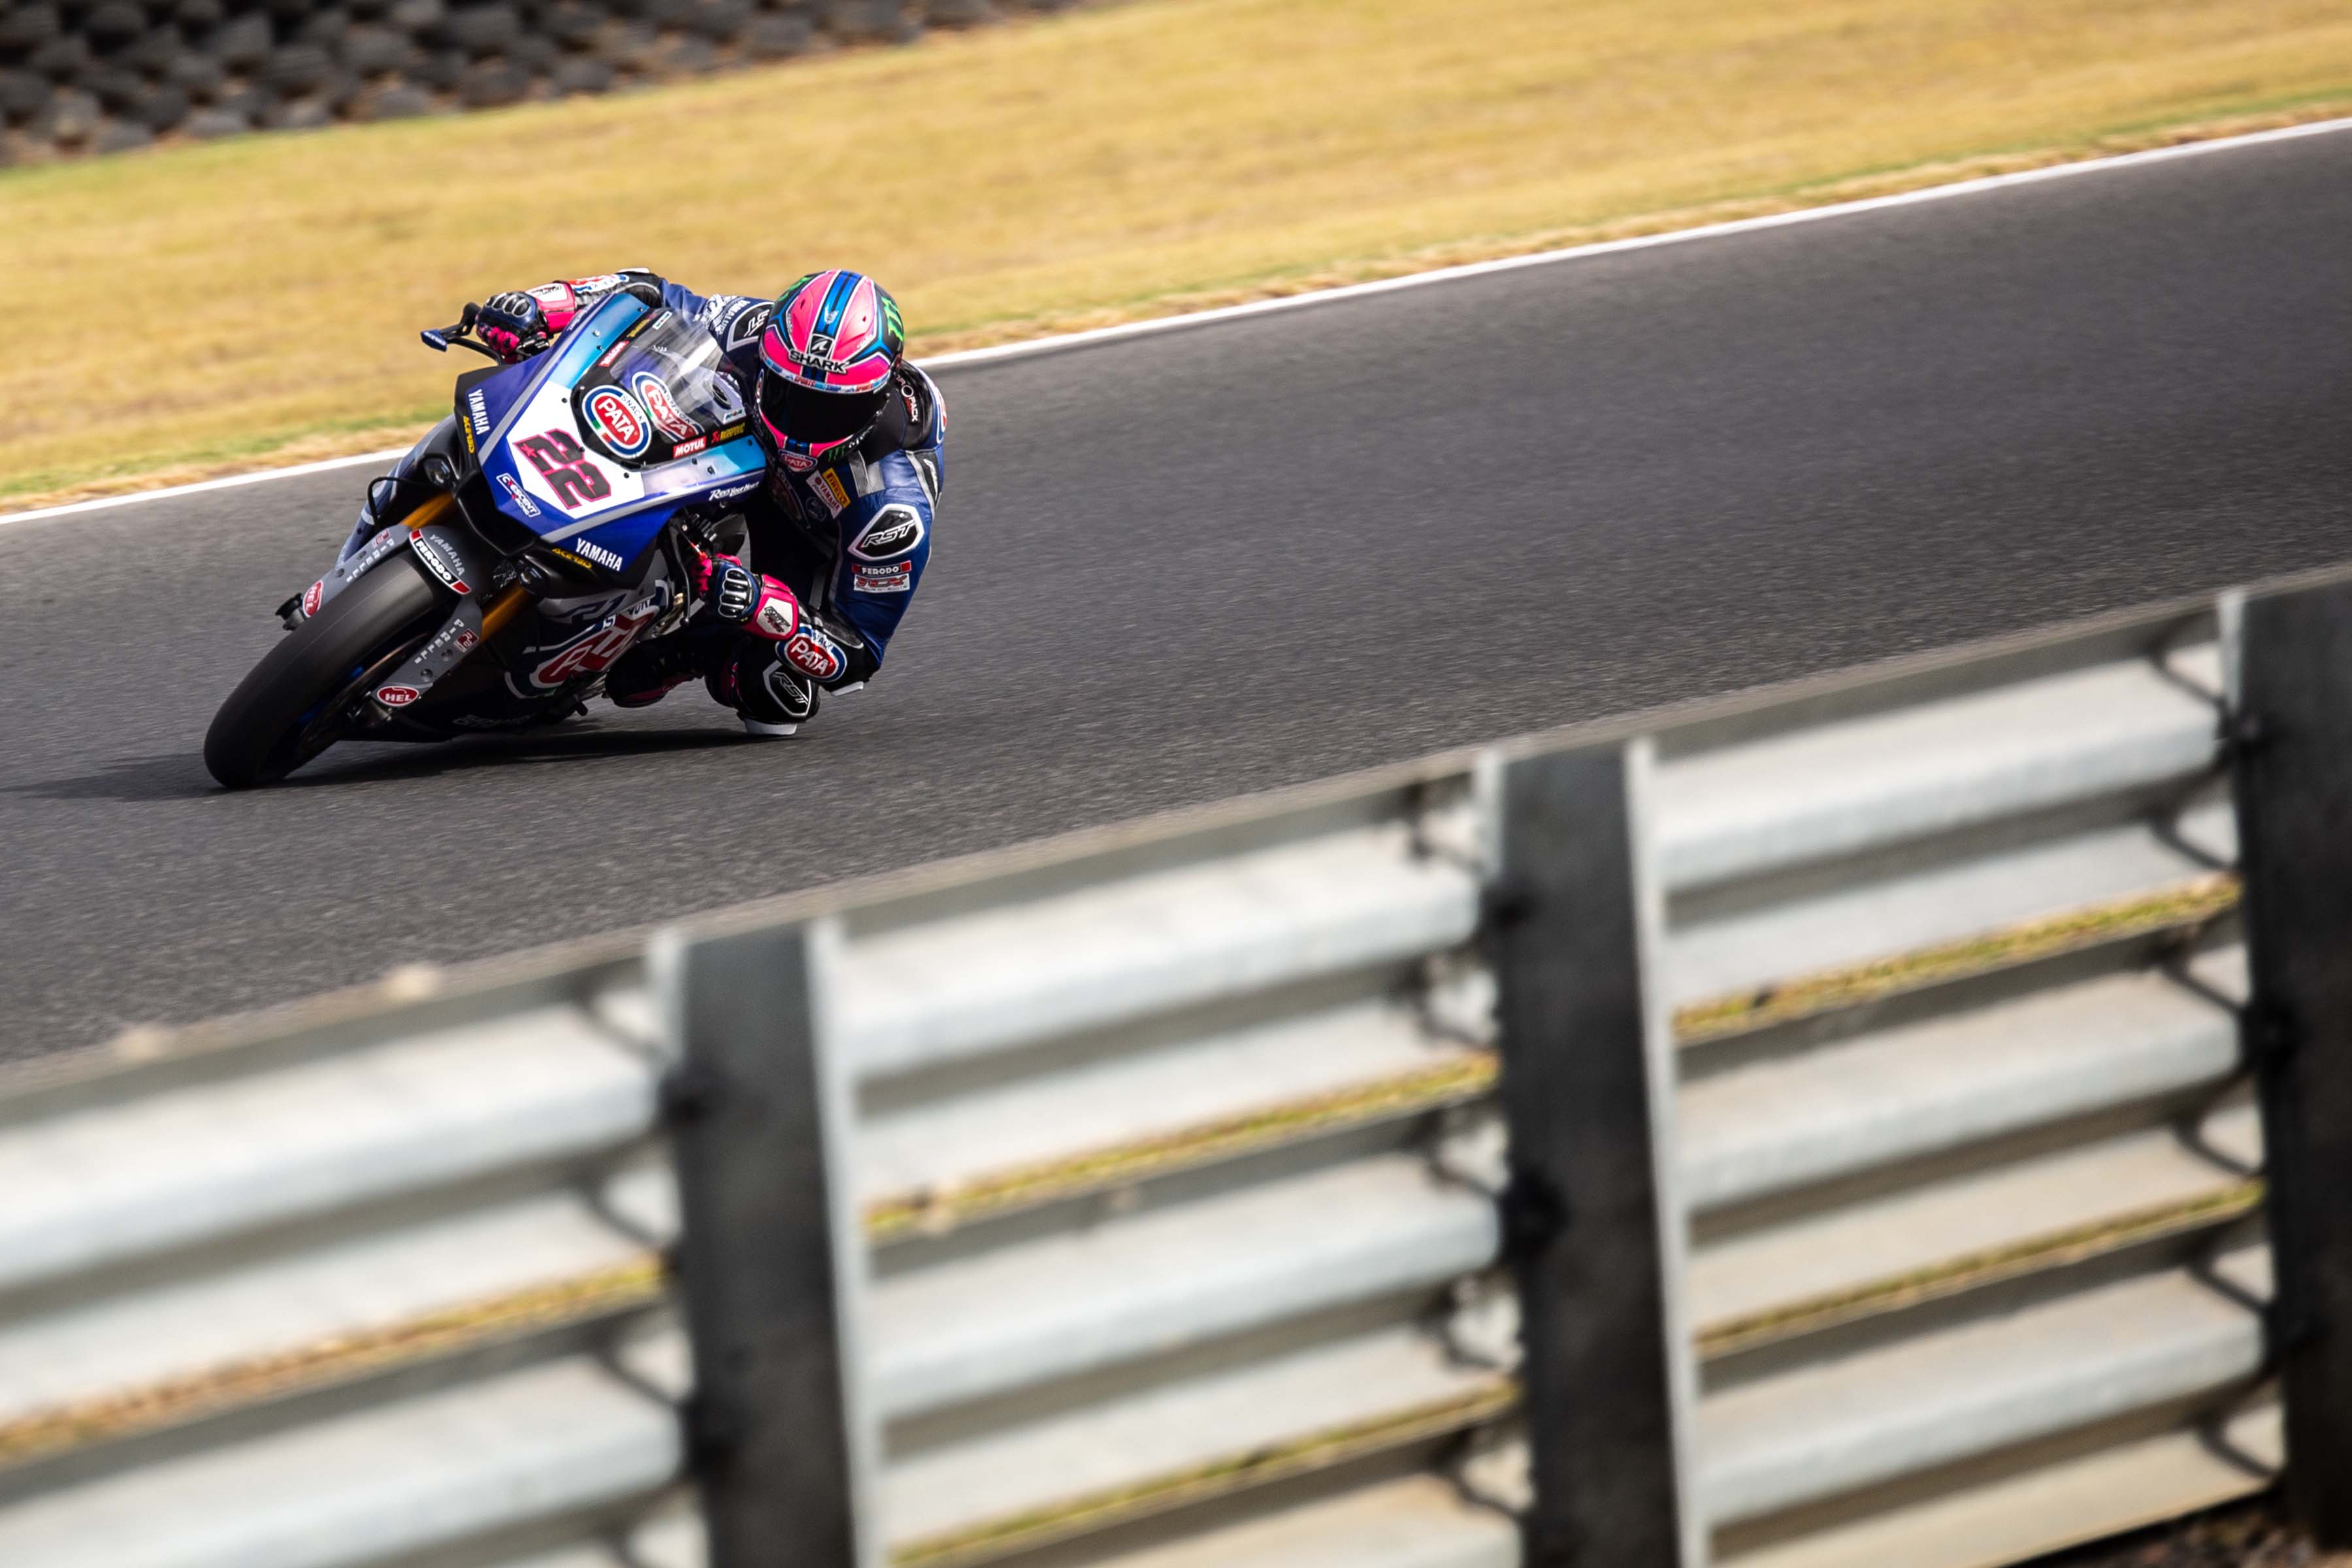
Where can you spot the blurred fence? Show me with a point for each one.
(101, 75)
(1817, 1132)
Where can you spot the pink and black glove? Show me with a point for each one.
(524, 330)
(742, 597)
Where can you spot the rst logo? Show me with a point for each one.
(895, 531)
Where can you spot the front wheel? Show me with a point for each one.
(289, 709)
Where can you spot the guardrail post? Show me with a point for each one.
(2292, 726)
(1594, 1230)
(772, 1259)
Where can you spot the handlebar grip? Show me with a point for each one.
(504, 322)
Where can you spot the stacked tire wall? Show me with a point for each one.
(80, 76)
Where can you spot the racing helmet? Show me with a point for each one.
(832, 342)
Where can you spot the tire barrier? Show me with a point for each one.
(80, 76)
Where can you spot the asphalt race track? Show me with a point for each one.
(1183, 566)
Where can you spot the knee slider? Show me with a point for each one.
(764, 686)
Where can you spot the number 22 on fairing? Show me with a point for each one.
(555, 465)
(565, 466)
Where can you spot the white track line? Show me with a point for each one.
(1383, 285)
(201, 486)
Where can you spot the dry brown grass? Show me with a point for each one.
(204, 306)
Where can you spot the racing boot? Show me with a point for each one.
(653, 669)
(771, 697)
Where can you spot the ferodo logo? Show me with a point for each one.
(397, 696)
(440, 558)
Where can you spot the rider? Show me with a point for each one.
(838, 535)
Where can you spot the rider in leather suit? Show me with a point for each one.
(840, 534)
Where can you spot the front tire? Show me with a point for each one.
(270, 724)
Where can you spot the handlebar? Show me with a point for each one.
(440, 339)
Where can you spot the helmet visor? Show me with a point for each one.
(804, 414)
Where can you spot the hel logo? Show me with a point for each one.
(397, 696)
(609, 559)
(654, 393)
(312, 596)
(615, 415)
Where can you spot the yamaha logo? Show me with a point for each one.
(609, 559)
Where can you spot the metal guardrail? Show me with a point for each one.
(1186, 1227)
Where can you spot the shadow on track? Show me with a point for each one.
(181, 776)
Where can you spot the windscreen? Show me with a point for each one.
(666, 395)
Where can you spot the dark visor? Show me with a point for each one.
(804, 414)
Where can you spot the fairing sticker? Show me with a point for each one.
(552, 479)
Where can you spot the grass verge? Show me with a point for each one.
(214, 307)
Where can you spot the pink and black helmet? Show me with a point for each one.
(826, 362)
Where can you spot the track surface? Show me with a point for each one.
(1215, 559)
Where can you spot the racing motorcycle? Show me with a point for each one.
(553, 524)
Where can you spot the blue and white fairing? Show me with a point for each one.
(595, 443)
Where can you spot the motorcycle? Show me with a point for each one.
(550, 527)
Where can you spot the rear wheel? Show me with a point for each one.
(290, 708)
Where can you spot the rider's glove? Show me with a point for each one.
(513, 345)
(740, 597)
(731, 591)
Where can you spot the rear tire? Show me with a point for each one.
(259, 734)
